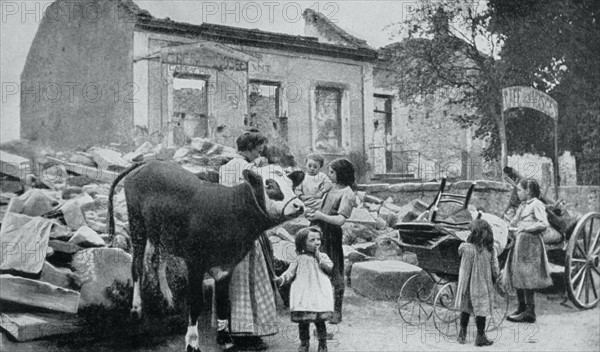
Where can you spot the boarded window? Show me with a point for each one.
(263, 105)
(328, 119)
(190, 108)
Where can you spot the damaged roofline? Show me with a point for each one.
(254, 38)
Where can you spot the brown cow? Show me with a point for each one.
(208, 225)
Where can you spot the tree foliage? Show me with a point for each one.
(555, 44)
(478, 48)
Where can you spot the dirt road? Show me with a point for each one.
(376, 326)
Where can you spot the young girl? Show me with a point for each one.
(527, 265)
(478, 272)
(336, 208)
(311, 294)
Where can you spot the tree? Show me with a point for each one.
(450, 46)
(478, 49)
(556, 45)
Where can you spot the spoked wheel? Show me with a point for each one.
(414, 302)
(499, 312)
(445, 317)
(582, 262)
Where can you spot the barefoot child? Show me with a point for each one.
(337, 207)
(478, 272)
(311, 294)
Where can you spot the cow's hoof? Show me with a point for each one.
(136, 313)
(230, 348)
(224, 338)
(192, 349)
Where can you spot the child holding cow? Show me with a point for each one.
(311, 294)
(478, 271)
(336, 208)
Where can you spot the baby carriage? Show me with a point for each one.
(431, 293)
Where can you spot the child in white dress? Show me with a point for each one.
(311, 294)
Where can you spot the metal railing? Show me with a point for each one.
(414, 163)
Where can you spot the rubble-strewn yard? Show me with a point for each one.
(59, 266)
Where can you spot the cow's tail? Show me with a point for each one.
(111, 193)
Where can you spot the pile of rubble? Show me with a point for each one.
(58, 257)
(56, 253)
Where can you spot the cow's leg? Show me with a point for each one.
(223, 311)
(195, 299)
(162, 277)
(138, 240)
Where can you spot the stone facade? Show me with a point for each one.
(425, 139)
(163, 63)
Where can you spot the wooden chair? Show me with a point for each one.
(443, 197)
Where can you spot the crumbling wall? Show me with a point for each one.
(489, 196)
(77, 84)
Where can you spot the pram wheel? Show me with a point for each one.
(414, 302)
(445, 318)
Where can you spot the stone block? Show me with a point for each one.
(61, 277)
(381, 280)
(83, 159)
(376, 187)
(38, 294)
(108, 159)
(32, 326)
(460, 185)
(72, 213)
(431, 186)
(34, 202)
(353, 231)
(71, 192)
(60, 232)
(86, 237)
(368, 248)
(98, 268)
(139, 153)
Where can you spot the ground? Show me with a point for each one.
(376, 326)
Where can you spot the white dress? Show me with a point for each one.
(311, 293)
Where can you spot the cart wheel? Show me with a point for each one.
(414, 302)
(445, 317)
(582, 263)
(499, 312)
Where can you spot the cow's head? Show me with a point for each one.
(277, 189)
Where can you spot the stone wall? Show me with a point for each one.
(489, 196)
(77, 83)
(581, 198)
(426, 139)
